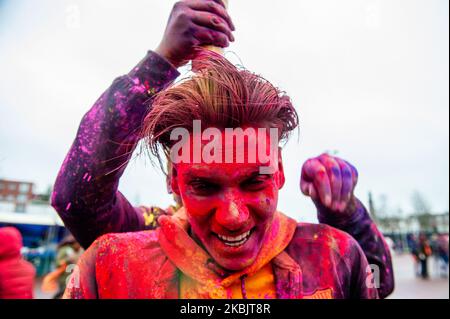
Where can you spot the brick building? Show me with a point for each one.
(16, 192)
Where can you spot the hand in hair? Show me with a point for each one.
(195, 23)
(330, 182)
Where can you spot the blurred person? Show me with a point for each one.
(68, 253)
(434, 245)
(110, 131)
(16, 274)
(424, 252)
(443, 249)
(413, 246)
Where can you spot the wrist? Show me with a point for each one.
(163, 53)
(352, 213)
(352, 207)
(153, 73)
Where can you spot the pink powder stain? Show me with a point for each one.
(68, 206)
(136, 81)
(138, 89)
(86, 150)
(87, 177)
(92, 115)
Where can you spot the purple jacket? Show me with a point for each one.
(86, 192)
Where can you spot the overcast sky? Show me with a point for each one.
(368, 78)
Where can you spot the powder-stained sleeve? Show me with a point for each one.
(362, 284)
(364, 230)
(86, 192)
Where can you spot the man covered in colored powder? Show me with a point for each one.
(228, 240)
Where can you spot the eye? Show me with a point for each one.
(255, 183)
(204, 188)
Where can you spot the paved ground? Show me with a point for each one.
(38, 294)
(407, 285)
(410, 287)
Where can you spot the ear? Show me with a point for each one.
(173, 176)
(169, 182)
(173, 184)
(281, 179)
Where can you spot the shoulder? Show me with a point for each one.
(324, 237)
(112, 256)
(116, 246)
(126, 242)
(335, 250)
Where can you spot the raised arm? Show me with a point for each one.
(330, 182)
(86, 192)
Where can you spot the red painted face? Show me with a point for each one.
(230, 206)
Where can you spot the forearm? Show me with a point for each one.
(361, 227)
(86, 190)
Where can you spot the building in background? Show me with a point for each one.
(18, 193)
(414, 224)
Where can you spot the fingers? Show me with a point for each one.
(347, 183)
(195, 23)
(208, 36)
(215, 7)
(308, 188)
(311, 191)
(305, 187)
(335, 177)
(213, 22)
(330, 180)
(315, 174)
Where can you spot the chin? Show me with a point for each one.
(236, 264)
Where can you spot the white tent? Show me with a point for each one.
(30, 219)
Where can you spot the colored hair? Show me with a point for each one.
(220, 95)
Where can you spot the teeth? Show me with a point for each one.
(235, 241)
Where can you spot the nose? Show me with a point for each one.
(232, 214)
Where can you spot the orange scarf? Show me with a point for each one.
(200, 281)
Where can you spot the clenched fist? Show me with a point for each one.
(195, 23)
(330, 182)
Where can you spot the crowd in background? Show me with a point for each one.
(423, 247)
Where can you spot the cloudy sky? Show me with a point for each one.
(368, 78)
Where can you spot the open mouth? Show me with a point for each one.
(235, 241)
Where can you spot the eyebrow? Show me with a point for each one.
(201, 175)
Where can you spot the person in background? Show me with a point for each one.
(16, 274)
(413, 247)
(424, 251)
(69, 251)
(435, 252)
(443, 254)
